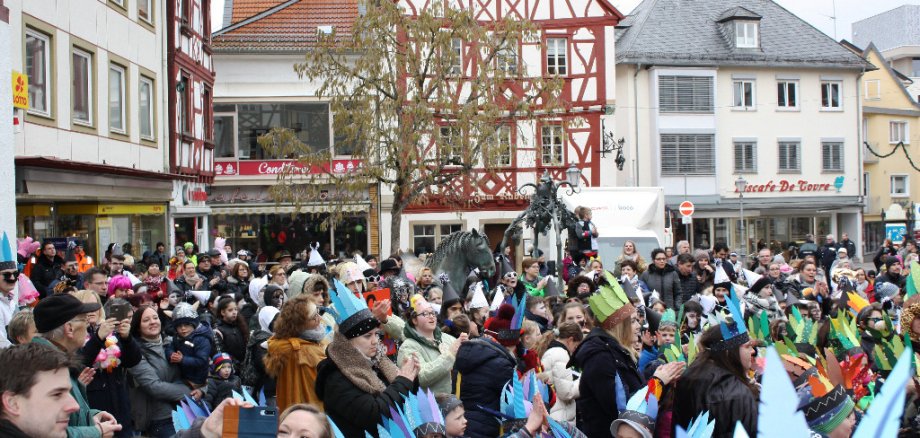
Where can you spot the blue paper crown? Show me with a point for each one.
(520, 307)
(345, 302)
(518, 393)
(419, 415)
(734, 331)
(7, 259)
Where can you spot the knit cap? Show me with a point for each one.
(219, 361)
(184, 313)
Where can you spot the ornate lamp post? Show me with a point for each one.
(741, 185)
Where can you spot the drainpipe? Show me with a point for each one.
(859, 180)
(636, 119)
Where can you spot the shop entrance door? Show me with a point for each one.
(186, 230)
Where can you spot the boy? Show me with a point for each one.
(693, 312)
(222, 381)
(192, 345)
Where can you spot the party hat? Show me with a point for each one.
(450, 295)
(720, 279)
(610, 304)
(479, 297)
(362, 264)
(750, 277)
(351, 313)
(734, 333)
(7, 259)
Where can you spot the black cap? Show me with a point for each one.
(213, 252)
(54, 311)
(388, 265)
(203, 257)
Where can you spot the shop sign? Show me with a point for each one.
(895, 232)
(275, 167)
(801, 185)
(261, 195)
(20, 90)
(193, 194)
(126, 209)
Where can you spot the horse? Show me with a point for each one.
(461, 252)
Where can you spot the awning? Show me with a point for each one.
(285, 209)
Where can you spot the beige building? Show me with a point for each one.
(890, 118)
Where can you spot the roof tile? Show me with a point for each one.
(293, 27)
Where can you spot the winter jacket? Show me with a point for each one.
(666, 282)
(435, 358)
(196, 352)
(826, 256)
(688, 288)
(182, 284)
(293, 363)
(155, 385)
(900, 281)
(601, 359)
(881, 255)
(850, 246)
(44, 272)
(727, 398)
(81, 424)
(239, 288)
(555, 361)
(219, 389)
(482, 369)
(257, 350)
(357, 392)
(231, 340)
(108, 391)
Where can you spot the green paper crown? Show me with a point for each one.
(609, 298)
(668, 318)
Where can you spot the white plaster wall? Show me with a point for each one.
(7, 167)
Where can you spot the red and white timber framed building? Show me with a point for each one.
(576, 43)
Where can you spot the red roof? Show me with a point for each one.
(275, 25)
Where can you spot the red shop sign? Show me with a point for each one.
(784, 185)
(275, 167)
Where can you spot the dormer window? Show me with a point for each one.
(747, 34)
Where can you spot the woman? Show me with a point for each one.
(190, 279)
(154, 278)
(661, 276)
(303, 420)
(760, 298)
(231, 331)
(629, 253)
(435, 351)
(317, 288)
(703, 269)
(730, 396)
(424, 281)
(574, 313)
(156, 386)
(176, 264)
(119, 287)
(556, 352)
(238, 280)
(531, 277)
(108, 390)
(294, 352)
(863, 286)
(277, 277)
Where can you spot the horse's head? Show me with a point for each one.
(479, 254)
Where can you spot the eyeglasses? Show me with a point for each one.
(10, 276)
(428, 314)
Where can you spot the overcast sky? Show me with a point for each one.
(816, 12)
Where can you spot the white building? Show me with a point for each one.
(754, 92)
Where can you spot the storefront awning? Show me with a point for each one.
(285, 209)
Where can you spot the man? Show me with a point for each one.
(720, 258)
(9, 293)
(35, 400)
(97, 281)
(229, 251)
(809, 247)
(892, 274)
(212, 277)
(61, 322)
(216, 263)
(116, 266)
(827, 254)
(764, 257)
(47, 268)
(850, 246)
(71, 274)
(159, 255)
(84, 262)
(688, 284)
(682, 247)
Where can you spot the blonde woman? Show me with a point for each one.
(630, 253)
(424, 281)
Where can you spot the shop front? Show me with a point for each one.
(189, 213)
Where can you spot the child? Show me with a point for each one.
(191, 347)
(222, 381)
(691, 325)
(453, 412)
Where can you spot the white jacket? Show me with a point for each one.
(555, 361)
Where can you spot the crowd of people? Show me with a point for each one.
(113, 350)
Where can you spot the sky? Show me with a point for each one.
(817, 12)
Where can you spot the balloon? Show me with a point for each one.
(359, 228)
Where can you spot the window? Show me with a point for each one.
(224, 136)
(899, 186)
(145, 98)
(688, 154)
(897, 132)
(119, 2)
(450, 147)
(556, 56)
(448, 229)
(38, 70)
(117, 99)
(82, 87)
(551, 144)
(456, 65)
(787, 94)
(426, 237)
(832, 156)
(506, 59)
(309, 121)
(873, 89)
(745, 156)
(746, 34)
(505, 147)
(182, 101)
(789, 156)
(866, 181)
(865, 129)
(685, 94)
(830, 95)
(183, 11)
(144, 10)
(207, 114)
(915, 66)
(743, 95)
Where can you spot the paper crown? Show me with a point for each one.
(828, 406)
(777, 415)
(843, 333)
(517, 395)
(351, 313)
(498, 299)
(803, 329)
(641, 411)
(7, 259)
(734, 332)
(362, 264)
(315, 259)
(856, 303)
(610, 304)
(418, 416)
(699, 427)
(479, 297)
(668, 319)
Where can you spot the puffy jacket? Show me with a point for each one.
(239, 288)
(44, 272)
(219, 389)
(264, 382)
(555, 361)
(601, 359)
(156, 385)
(666, 282)
(196, 352)
(689, 287)
(482, 369)
(232, 341)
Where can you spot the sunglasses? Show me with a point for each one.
(372, 279)
(10, 276)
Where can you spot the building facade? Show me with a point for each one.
(896, 35)
(91, 148)
(751, 93)
(190, 91)
(577, 44)
(256, 90)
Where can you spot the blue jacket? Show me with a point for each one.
(196, 352)
(483, 367)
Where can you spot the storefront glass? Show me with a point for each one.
(268, 234)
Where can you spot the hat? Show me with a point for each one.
(640, 411)
(828, 405)
(351, 313)
(721, 279)
(296, 281)
(213, 252)
(733, 254)
(242, 253)
(283, 255)
(734, 332)
(518, 393)
(652, 320)
(668, 319)
(479, 297)
(450, 295)
(885, 290)
(761, 283)
(219, 361)
(507, 322)
(188, 245)
(203, 257)
(7, 260)
(362, 264)
(610, 304)
(349, 272)
(841, 250)
(184, 313)
(315, 260)
(448, 404)
(267, 315)
(388, 265)
(419, 415)
(56, 310)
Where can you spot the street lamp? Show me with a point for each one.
(741, 185)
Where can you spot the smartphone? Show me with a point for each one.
(119, 311)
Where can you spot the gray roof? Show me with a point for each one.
(890, 29)
(688, 33)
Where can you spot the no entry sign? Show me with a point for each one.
(686, 208)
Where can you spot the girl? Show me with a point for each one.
(231, 330)
(556, 350)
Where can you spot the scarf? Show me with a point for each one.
(356, 367)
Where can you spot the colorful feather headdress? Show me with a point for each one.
(641, 411)
(610, 304)
(734, 332)
(828, 406)
(700, 427)
(884, 415)
(515, 403)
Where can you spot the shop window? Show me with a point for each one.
(743, 95)
(551, 142)
(787, 94)
(309, 121)
(117, 121)
(900, 186)
(688, 154)
(38, 70)
(82, 87)
(556, 57)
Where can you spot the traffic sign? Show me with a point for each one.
(686, 220)
(686, 208)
